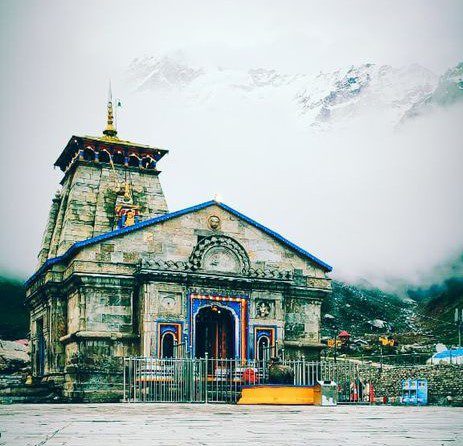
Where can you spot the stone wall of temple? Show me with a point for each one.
(94, 369)
(111, 298)
(49, 229)
(100, 332)
(297, 316)
(443, 381)
(174, 240)
(86, 204)
(159, 301)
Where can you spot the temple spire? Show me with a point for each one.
(110, 129)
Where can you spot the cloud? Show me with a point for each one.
(372, 202)
(378, 203)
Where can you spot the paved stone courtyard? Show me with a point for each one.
(181, 424)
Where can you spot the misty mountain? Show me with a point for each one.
(448, 91)
(361, 310)
(319, 100)
(421, 314)
(439, 302)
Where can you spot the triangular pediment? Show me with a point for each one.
(74, 249)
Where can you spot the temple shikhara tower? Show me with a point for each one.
(119, 275)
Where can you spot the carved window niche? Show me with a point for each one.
(169, 335)
(264, 342)
(222, 260)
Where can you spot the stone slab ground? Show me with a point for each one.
(181, 424)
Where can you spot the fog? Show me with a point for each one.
(379, 203)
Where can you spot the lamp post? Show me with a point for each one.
(331, 319)
(335, 342)
(459, 323)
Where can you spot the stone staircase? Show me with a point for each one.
(14, 390)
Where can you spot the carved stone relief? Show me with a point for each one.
(214, 222)
(265, 309)
(221, 259)
(318, 283)
(170, 302)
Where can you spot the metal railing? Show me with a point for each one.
(181, 350)
(203, 380)
(164, 380)
(195, 380)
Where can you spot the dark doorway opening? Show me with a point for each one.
(167, 345)
(215, 333)
(41, 348)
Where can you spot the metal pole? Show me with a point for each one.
(124, 368)
(205, 376)
(459, 332)
(381, 368)
(303, 371)
(458, 322)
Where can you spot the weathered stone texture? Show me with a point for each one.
(48, 233)
(443, 381)
(86, 206)
(175, 239)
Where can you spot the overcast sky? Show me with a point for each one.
(378, 206)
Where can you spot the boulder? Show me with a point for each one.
(14, 356)
(279, 373)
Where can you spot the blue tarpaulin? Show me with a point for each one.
(453, 356)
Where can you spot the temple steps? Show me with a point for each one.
(14, 390)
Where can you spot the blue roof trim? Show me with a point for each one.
(76, 247)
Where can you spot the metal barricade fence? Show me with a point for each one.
(306, 373)
(352, 378)
(203, 380)
(164, 380)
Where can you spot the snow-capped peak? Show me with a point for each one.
(318, 99)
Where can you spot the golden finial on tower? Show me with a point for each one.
(110, 129)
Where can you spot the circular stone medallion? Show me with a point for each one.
(214, 222)
(221, 259)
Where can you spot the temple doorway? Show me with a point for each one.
(167, 345)
(41, 348)
(215, 333)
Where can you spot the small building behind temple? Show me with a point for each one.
(119, 275)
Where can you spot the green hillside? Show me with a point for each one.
(14, 318)
(357, 310)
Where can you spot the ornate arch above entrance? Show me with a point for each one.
(221, 254)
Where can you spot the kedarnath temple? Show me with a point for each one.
(119, 275)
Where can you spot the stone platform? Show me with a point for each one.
(200, 424)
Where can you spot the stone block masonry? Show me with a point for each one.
(85, 206)
(445, 382)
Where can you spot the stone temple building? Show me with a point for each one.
(119, 275)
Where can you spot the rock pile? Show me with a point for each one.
(14, 356)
